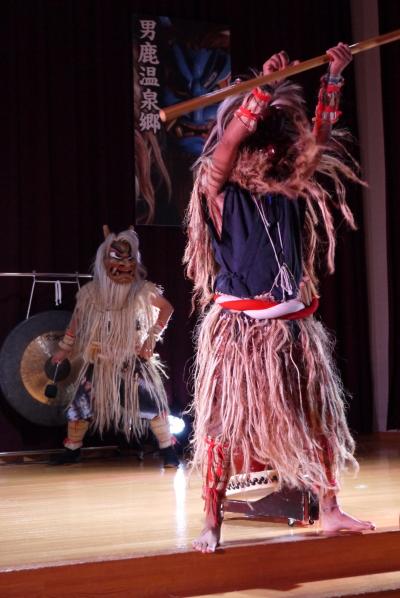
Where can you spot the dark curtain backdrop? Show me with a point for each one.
(389, 14)
(67, 165)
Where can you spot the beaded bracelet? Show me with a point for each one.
(327, 110)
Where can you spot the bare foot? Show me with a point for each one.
(209, 538)
(333, 519)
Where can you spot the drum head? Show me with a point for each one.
(252, 486)
(25, 369)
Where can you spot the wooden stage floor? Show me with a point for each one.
(118, 510)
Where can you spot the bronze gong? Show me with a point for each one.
(26, 369)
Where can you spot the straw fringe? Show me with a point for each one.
(269, 390)
(110, 339)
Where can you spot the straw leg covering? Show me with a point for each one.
(269, 391)
(113, 397)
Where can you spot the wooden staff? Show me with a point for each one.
(172, 112)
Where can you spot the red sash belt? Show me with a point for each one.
(246, 304)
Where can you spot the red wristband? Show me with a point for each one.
(245, 112)
(258, 93)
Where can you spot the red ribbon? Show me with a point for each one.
(215, 470)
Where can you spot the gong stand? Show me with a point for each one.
(53, 278)
(26, 371)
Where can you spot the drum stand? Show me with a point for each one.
(291, 506)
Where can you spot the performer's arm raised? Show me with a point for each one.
(241, 126)
(327, 112)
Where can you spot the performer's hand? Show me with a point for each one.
(277, 62)
(59, 356)
(146, 352)
(340, 56)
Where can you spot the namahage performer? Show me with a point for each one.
(266, 387)
(118, 318)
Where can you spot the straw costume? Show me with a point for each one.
(266, 387)
(118, 318)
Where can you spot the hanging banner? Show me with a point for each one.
(173, 60)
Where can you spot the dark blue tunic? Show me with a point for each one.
(244, 253)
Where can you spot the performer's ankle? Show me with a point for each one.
(71, 445)
(328, 501)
